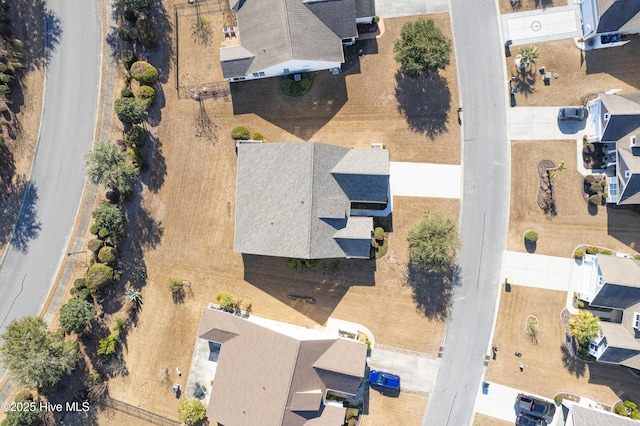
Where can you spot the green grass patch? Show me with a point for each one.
(296, 88)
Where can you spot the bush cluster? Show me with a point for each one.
(227, 301)
(144, 72)
(240, 133)
(593, 250)
(579, 254)
(146, 95)
(595, 186)
(531, 236)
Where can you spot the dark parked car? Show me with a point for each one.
(573, 113)
(535, 407)
(526, 420)
(385, 380)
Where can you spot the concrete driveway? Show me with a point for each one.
(548, 272)
(535, 26)
(426, 180)
(417, 370)
(395, 8)
(541, 123)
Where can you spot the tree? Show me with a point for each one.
(98, 277)
(191, 412)
(107, 165)
(527, 56)
(422, 48)
(130, 111)
(433, 242)
(584, 326)
(36, 357)
(144, 72)
(174, 284)
(25, 417)
(138, 4)
(76, 315)
(134, 295)
(562, 167)
(110, 217)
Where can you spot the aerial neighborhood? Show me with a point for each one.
(320, 212)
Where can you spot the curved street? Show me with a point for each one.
(484, 216)
(48, 212)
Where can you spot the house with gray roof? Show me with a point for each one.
(580, 415)
(614, 121)
(280, 37)
(602, 19)
(309, 200)
(613, 283)
(275, 374)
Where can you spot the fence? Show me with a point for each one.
(139, 413)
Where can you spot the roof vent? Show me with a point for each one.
(633, 143)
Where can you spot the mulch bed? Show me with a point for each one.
(545, 193)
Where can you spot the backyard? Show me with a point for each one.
(185, 220)
(547, 366)
(575, 222)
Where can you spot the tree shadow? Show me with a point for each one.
(204, 127)
(154, 114)
(592, 209)
(154, 178)
(571, 362)
(28, 18)
(178, 296)
(52, 33)
(530, 246)
(27, 226)
(424, 102)
(432, 291)
(301, 116)
(326, 285)
(523, 80)
(542, 3)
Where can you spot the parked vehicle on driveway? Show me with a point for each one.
(535, 407)
(573, 113)
(527, 420)
(385, 380)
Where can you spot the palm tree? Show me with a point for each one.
(562, 167)
(584, 326)
(134, 295)
(527, 56)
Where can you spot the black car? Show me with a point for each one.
(535, 407)
(526, 420)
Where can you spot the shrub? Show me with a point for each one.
(143, 72)
(125, 92)
(588, 158)
(94, 229)
(295, 264)
(191, 412)
(79, 284)
(312, 263)
(226, 301)
(127, 57)
(118, 325)
(589, 179)
(147, 32)
(605, 195)
(133, 34)
(558, 398)
(531, 236)
(136, 156)
(146, 95)
(579, 254)
(240, 133)
(123, 34)
(135, 136)
(6, 78)
(606, 251)
(130, 15)
(107, 255)
(4, 89)
(580, 304)
(595, 199)
(257, 137)
(94, 377)
(95, 245)
(84, 294)
(103, 233)
(588, 148)
(593, 250)
(98, 277)
(76, 315)
(174, 284)
(130, 111)
(24, 395)
(246, 306)
(107, 346)
(595, 188)
(378, 234)
(637, 257)
(138, 4)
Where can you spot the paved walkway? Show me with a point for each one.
(535, 26)
(417, 370)
(536, 270)
(396, 8)
(541, 123)
(426, 180)
(499, 401)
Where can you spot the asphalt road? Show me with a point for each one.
(48, 212)
(485, 207)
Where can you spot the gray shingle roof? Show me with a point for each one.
(235, 60)
(625, 115)
(618, 15)
(276, 31)
(622, 271)
(289, 204)
(262, 374)
(365, 8)
(584, 416)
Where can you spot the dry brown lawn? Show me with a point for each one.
(185, 221)
(483, 420)
(580, 73)
(506, 7)
(575, 223)
(408, 409)
(548, 368)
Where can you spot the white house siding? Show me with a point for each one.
(291, 67)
